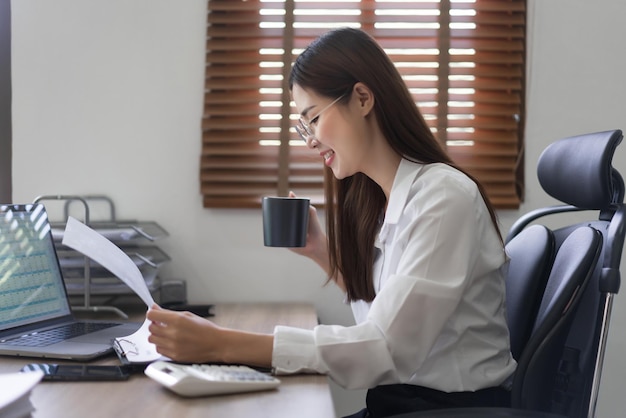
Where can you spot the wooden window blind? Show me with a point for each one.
(463, 60)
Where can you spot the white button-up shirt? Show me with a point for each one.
(438, 318)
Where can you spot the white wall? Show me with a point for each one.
(107, 99)
(575, 85)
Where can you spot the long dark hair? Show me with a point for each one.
(331, 66)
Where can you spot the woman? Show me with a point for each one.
(412, 240)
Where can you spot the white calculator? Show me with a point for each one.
(209, 379)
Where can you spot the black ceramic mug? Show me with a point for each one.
(285, 221)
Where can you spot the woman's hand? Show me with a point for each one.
(189, 338)
(183, 336)
(316, 246)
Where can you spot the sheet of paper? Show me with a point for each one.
(15, 389)
(85, 240)
(136, 347)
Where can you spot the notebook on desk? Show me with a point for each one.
(36, 319)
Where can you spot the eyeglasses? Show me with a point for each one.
(306, 130)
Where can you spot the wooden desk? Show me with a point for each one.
(298, 396)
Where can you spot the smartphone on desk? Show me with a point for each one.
(78, 372)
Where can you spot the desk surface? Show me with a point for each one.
(298, 396)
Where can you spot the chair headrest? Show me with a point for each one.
(577, 170)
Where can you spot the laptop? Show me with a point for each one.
(36, 319)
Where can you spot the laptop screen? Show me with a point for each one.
(31, 284)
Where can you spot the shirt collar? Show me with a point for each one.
(405, 176)
(399, 196)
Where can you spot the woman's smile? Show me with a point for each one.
(328, 156)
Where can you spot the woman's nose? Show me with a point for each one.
(312, 142)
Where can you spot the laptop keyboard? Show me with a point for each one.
(55, 335)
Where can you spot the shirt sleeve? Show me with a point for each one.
(441, 243)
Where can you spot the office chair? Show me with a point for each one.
(578, 172)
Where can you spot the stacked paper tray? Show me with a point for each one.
(110, 286)
(148, 260)
(84, 277)
(145, 257)
(120, 232)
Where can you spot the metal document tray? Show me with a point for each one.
(110, 285)
(73, 263)
(120, 232)
(85, 277)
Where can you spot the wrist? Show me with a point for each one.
(241, 347)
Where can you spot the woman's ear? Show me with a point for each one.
(365, 97)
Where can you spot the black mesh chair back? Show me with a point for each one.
(574, 264)
(531, 255)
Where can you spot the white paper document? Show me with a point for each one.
(134, 348)
(15, 390)
(87, 241)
